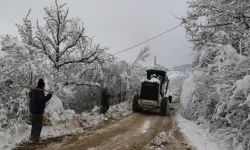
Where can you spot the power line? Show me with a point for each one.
(147, 40)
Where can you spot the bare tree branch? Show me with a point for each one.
(27, 15)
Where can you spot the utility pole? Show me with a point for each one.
(155, 60)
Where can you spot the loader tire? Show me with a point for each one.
(164, 111)
(135, 105)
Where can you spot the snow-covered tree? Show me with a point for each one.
(17, 69)
(68, 60)
(209, 20)
(219, 31)
(61, 39)
(175, 85)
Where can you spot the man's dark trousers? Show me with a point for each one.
(37, 123)
(105, 109)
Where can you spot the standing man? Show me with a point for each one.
(37, 106)
(105, 100)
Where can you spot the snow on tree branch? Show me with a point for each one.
(61, 39)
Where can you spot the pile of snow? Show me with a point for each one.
(66, 123)
(199, 136)
(54, 107)
(118, 111)
(160, 140)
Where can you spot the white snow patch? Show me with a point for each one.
(2, 53)
(118, 111)
(54, 107)
(159, 142)
(152, 80)
(161, 138)
(200, 138)
(96, 109)
(145, 126)
(16, 134)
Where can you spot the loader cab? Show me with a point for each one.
(151, 90)
(159, 74)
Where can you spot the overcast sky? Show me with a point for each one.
(117, 24)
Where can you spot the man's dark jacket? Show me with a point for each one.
(38, 101)
(105, 99)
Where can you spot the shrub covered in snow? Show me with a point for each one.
(218, 92)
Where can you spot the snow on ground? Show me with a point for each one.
(199, 137)
(145, 126)
(67, 123)
(160, 140)
(17, 134)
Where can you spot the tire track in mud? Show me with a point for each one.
(136, 137)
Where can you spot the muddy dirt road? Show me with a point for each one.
(134, 132)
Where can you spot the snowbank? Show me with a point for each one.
(66, 123)
(54, 107)
(14, 135)
(198, 135)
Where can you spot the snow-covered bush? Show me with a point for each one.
(218, 92)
